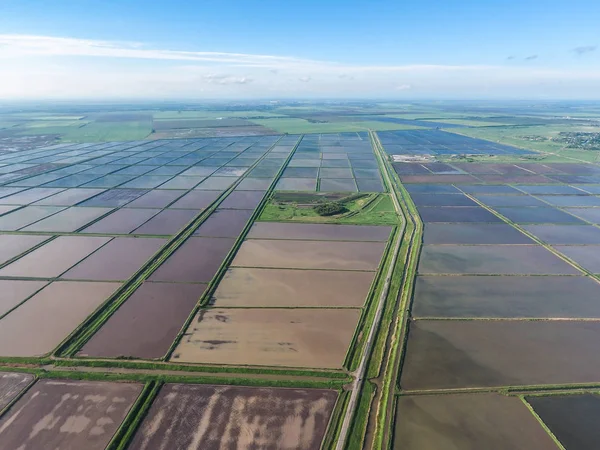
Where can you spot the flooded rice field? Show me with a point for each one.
(462, 354)
(573, 419)
(467, 422)
(310, 231)
(506, 296)
(290, 288)
(69, 415)
(193, 417)
(53, 313)
(11, 385)
(492, 259)
(309, 254)
(147, 323)
(272, 337)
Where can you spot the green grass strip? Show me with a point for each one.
(136, 414)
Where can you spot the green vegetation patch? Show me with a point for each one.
(358, 209)
(293, 125)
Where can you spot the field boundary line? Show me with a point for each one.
(216, 279)
(366, 351)
(542, 423)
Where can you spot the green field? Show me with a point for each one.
(367, 209)
(520, 136)
(298, 126)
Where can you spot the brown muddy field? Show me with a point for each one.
(270, 337)
(492, 259)
(117, 260)
(122, 221)
(225, 223)
(565, 234)
(310, 254)
(457, 214)
(14, 245)
(167, 222)
(53, 258)
(67, 415)
(243, 200)
(11, 384)
(506, 296)
(13, 292)
(587, 256)
(197, 260)
(28, 330)
(317, 232)
(467, 422)
(461, 354)
(194, 417)
(473, 233)
(573, 419)
(147, 323)
(289, 288)
(196, 199)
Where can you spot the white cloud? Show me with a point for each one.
(50, 67)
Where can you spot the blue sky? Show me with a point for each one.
(288, 48)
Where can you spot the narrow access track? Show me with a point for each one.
(359, 373)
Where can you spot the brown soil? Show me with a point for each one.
(272, 337)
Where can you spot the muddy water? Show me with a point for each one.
(67, 415)
(572, 418)
(467, 422)
(456, 214)
(506, 296)
(11, 384)
(146, 324)
(194, 417)
(117, 260)
(42, 322)
(279, 337)
(197, 260)
(167, 222)
(314, 231)
(459, 354)
(285, 287)
(491, 259)
(310, 254)
(13, 292)
(69, 220)
(53, 258)
(224, 223)
(196, 199)
(13, 245)
(473, 233)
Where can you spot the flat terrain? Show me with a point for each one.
(468, 422)
(129, 253)
(194, 417)
(67, 415)
(269, 337)
(11, 385)
(292, 288)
